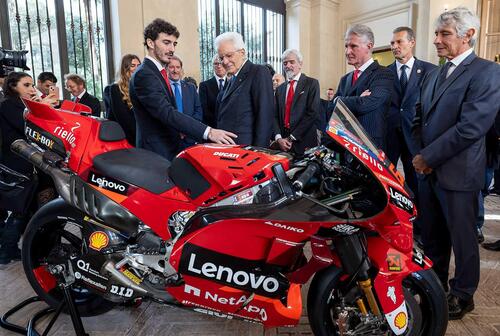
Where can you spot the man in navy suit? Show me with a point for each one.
(246, 107)
(408, 74)
(458, 104)
(159, 123)
(186, 97)
(297, 107)
(367, 90)
(209, 90)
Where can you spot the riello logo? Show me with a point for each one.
(230, 276)
(67, 135)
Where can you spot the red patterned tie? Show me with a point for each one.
(165, 77)
(77, 100)
(288, 104)
(355, 76)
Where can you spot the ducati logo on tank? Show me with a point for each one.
(249, 275)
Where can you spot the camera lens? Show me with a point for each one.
(13, 58)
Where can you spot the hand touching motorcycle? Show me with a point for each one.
(221, 137)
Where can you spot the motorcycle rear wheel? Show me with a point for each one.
(51, 242)
(426, 303)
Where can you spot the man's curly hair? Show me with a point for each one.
(158, 26)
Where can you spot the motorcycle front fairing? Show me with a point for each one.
(391, 252)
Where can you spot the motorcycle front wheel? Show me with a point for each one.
(425, 299)
(51, 242)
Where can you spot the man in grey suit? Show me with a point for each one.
(458, 104)
(297, 107)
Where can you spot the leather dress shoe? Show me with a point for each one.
(480, 236)
(457, 307)
(495, 246)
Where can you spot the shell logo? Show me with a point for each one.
(98, 240)
(400, 320)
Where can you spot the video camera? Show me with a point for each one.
(12, 59)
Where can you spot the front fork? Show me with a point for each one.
(356, 261)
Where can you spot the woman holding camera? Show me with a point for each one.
(117, 98)
(17, 85)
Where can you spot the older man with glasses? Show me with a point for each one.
(246, 105)
(209, 90)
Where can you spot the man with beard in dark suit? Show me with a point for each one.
(246, 106)
(367, 90)
(159, 123)
(297, 107)
(458, 105)
(209, 90)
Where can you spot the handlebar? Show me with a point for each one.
(306, 175)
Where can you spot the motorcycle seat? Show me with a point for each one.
(136, 166)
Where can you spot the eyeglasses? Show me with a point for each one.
(228, 55)
(217, 63)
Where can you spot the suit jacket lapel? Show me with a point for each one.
(184, 93)
(393, 67)
(362, 77)
(416, 73)
(238, 80)
(147, 62)
(298, 89)
(454, 75)
(282, 103)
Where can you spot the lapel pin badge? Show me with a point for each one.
(419, 70)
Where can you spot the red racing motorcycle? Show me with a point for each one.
(229, 231)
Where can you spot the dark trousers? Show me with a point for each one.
(396, 148)
(449, 221)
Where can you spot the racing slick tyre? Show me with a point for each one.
(425, 299)
(50, 239)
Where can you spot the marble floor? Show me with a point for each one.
(155, 319)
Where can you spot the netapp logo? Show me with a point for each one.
(401, 201)
(235, 272)
(107, 183)
(227, 155)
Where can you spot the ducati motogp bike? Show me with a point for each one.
(230, 231)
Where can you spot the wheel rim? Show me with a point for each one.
(52, 244)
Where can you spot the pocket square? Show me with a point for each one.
(301, 92)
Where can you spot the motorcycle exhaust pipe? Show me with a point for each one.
(150, 292)
(35, 156)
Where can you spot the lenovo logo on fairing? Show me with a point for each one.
(107, 183)
(229, 276)
(254, 276)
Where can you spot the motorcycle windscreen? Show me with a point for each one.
(343, 125)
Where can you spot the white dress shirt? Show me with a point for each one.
(409, 67)
(457, 60)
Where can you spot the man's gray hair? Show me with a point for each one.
(234, 37)
(289, 52)
(463, 19)
(361, 31)
(409, 32)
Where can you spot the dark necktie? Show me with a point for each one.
(443, 74)
(77, 100)
(221, 84)
(165, 77)
(178, 96)
(355, 76)
(403, 79)
(288, 104)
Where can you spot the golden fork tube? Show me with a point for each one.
(361, 306)
(366, 286)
